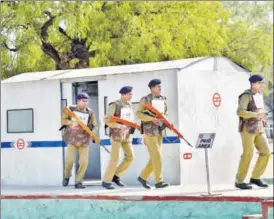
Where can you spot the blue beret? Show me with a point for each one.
(154, 82)
(255, 78)
(82, 95)
(125, 90)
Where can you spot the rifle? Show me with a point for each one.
(159, 115)
(132, 125)
(83, 125)
(124, 122)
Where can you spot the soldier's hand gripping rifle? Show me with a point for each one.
(159, 115)
(84, 126)
(125, 122)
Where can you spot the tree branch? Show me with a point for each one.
(47, 47)
(93, 53)
(10, 49)
(62, 31)
(104, 6)
(47, 24)
(51, 51)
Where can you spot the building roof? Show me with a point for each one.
(205, 63)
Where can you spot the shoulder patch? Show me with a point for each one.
(247, 92)
(90, 111)
(72, 107)
(118, 102)
(144, 99)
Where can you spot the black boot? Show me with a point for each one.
(144, 183)
(118, 182)
(79, 186)
(161, 185)
(65, 181)
(243, 186)
(258, 182)
(107, 185)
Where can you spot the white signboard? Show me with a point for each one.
(205, 140)
(259, 100)
(159, 105)
(82, 116)
(127, 114)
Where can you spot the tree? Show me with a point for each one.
(250, 38)
(39, 36)
(59, 35)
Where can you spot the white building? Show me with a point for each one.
(269, 106)
(31, 116)
(269, 129)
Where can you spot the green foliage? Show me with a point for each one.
(251, 37)
(115, 33)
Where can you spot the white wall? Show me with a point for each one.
(197, 114)
(32, 166)
(171, 155)
(269, 128)
(67, 94)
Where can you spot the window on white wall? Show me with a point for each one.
(20, 121)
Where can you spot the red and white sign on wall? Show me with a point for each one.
(20, 144)
(216, 99)
(187, 156)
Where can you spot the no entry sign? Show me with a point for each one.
(20, 144)
(216, 99)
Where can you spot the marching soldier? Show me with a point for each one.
(78, 140)
(152, 130)
(120, 138)
(252, 123)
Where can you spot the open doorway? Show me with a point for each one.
(93, 172)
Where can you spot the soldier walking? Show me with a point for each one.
(78, 140)
(252, 123)
(120, 136)
(152, 130)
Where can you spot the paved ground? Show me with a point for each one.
(94, 189)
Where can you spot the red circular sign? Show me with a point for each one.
(216, 99)
(20, 144)
(187, 156)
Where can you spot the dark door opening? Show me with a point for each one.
(94, 166)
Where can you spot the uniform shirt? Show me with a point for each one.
(92, 122)
(250, 116)
(140, 112)
(242, 108)
(110, 112)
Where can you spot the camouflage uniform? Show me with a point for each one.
(78, 140)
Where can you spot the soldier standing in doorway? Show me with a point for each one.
(120, 138)
(252, 129)
(152, 129)
(78, 140)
